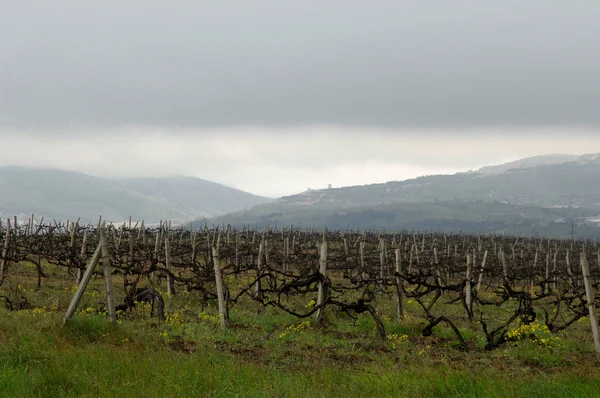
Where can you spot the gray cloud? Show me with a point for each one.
(426, 64)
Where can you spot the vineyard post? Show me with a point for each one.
(29, 225)
(381, 258)
(107, 269)
(399, 306)
(132, 239)
(570, 273)
(417, 254)
(410, 259)
(504, 268)
(143, 232)
(156, 247)
(322, 293)
(83, 284)
(535, 260)
(546, 285)
(168, 265)
(591, 300)
(83, 253)
(437, 268)
(72, 248)
(219, 283)
(237, 252)
(257, 287)
(481, 270)
(266, 252)
(346, 248)
(361, 248)
(267, 261)
(554, 271)
(468, 287)
(5, 251)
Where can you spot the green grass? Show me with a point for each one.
(268, 353)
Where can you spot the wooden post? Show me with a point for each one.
(322, 294)
(237, 252)
(83, 253)
(257, 286)
(481, 270)
(219, 283)
(504, 268)
(535, 260)
(83, 284)
(4, 264)
(382, 259)
(591, 300)
(72, 247)
(468, 287)
(107, 269)
(437, 267)
(570, 273)
(156, 253)
(361, 248)
(168, 265)
(410, 259)
(554, 271)
(399, 306)
(546, 284)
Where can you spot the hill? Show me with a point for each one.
(519, 198)
(194, 196)
(66, 195)
(534, 161)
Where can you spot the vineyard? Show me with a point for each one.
(487, 290)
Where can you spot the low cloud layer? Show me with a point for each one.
(275, 162)
(393, 64)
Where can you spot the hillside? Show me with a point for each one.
(533, 161)
(194, 195)
(66, 195)
(524, 198)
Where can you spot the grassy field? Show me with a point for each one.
(266, 353)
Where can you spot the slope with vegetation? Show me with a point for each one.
(539, 195)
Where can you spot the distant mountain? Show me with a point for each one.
(66, 195)
(194, 196)
(529, 195)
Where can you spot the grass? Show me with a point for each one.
(267, 353)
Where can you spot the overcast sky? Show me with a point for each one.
(277, 96)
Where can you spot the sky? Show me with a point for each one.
(274, 97)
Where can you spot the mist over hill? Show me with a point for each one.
(64, 195)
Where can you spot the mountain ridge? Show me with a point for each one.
(528, 194)
(61, 194)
